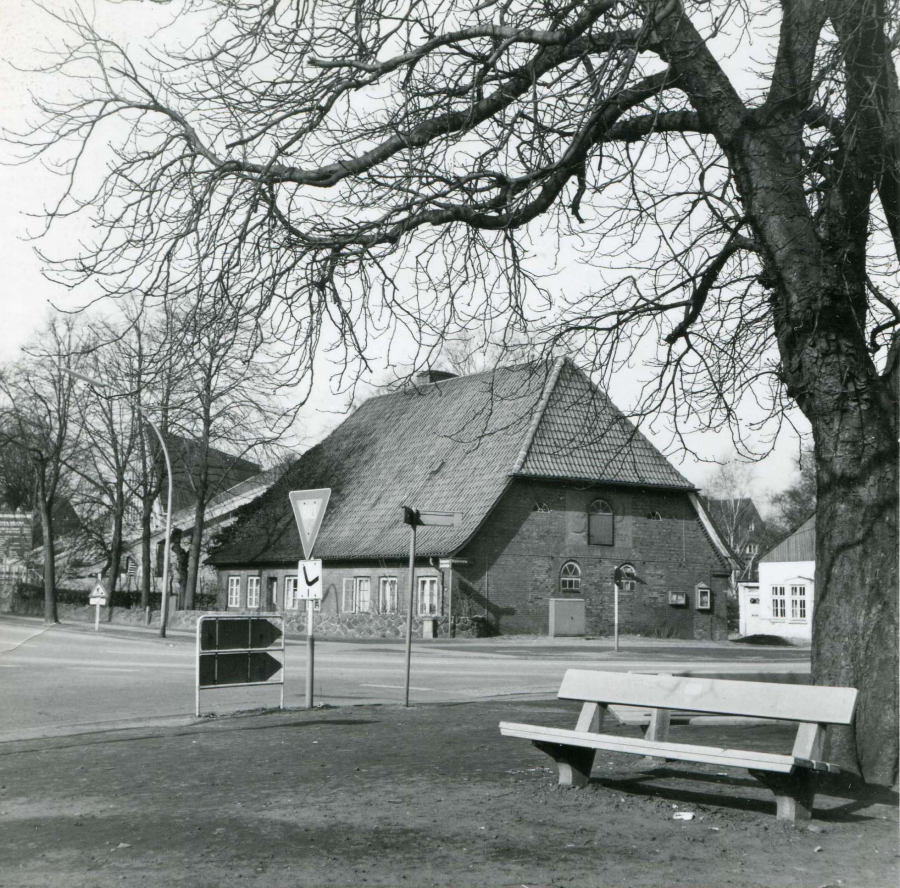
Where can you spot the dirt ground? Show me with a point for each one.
(430, 796)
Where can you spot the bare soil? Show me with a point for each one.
(430, 796)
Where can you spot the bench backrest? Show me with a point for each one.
(758, 699)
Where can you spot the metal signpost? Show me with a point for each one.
(309, 510)
(239, 650)
(417, 518)
(99, 598)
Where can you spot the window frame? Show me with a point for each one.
(291, 597)
(383, 583)
(272, 586)
(653, 515)
(594, 509)
(254, 584)
(234, 586)
(704, 597)
(563, 578)
(348, 586)
(358, 598)
(799, 602)
(422, 585)
(779, 598)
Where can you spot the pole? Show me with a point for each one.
(409, 613)
(165, 584)
(450, 604)
(310, 653)
(616, 616)
(97, 618)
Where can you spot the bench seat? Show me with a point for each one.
(736, 758)
(658, 698)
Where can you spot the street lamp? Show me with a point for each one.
(101, 386)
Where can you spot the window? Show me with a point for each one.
(654, 516)
(387, 595)
(798, 602)
(348, 600)
(625, 577)
(253, 591)
(570, 579)
(428, 596)
(234, 591)
(291, 593)
(778, 603)
(272, 593)
(540, 507)
(601, 530)
(363, 594)
(752, 548)
(704, 598)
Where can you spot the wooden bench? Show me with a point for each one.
(791, 777)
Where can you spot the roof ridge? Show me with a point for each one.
(549, 385)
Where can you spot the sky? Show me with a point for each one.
(27, 298)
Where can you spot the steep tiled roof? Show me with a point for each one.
(450, 445)
(582, 435)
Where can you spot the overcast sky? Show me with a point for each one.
(26, 297)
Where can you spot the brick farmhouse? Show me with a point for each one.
(556, 489)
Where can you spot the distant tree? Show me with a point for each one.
(797, 502)
(36, 408)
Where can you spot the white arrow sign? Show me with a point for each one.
(309, 510)
(309, 586)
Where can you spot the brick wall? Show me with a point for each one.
(515, 563)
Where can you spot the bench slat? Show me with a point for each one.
(736, 758)
(799, 703)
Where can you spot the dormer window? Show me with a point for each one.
(601, 524)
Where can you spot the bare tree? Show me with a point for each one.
(36, 405)
(793, 505)
(389, 167)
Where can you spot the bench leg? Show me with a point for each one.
(794, 793)
(574, 762)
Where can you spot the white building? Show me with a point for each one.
(781, 602)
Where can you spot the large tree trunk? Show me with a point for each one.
(50, 614)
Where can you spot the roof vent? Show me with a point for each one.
(423, 377)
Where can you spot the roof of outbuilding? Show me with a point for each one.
(451, 445)
(799, 546)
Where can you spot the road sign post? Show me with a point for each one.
(309, 510)
(417, 518)
(239, 650)
(99, 598)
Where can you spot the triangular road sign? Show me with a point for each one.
(309, 510)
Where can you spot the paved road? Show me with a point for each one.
(67, 678)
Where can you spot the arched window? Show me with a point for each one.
(540, 507)
(601, 525)
(570, 579)
(654, 516)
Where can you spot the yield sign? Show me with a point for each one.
(309, 510)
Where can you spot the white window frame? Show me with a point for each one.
(363, 595)
(234, 591)
(291, 593)
(272, 583)
(779, 602)
(348, 598)
(704, 598)
(253, 587)
(428, 586)
(799, 609)
(573, 579)
(387, 595)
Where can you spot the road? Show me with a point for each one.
(67, 678)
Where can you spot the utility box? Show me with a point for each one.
(566, 617)
(429, 627)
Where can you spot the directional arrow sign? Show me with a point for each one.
(238, 668)
(310, 576)
(309, 510)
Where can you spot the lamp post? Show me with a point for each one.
(100, 386)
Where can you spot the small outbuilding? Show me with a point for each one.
(781, 602)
